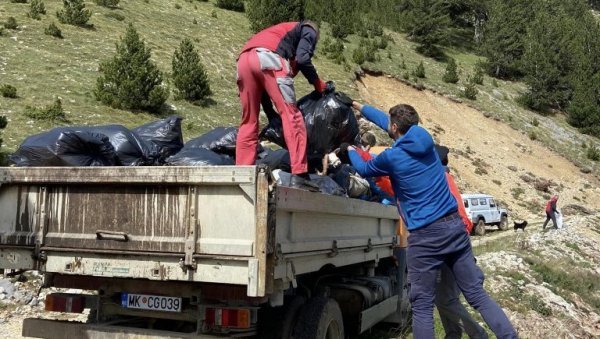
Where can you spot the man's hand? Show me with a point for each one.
(344, 98)
(320, 86)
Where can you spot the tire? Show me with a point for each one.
(480, 227)
(503, 225)
(320, 318)
(281, 321)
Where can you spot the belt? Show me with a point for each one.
(450, 216)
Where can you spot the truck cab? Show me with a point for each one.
(483, 210)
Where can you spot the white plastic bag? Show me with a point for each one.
(559, 219)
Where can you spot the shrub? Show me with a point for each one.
(11, 23)
(18, 1)
(334, 50)
(478, 77)
(74, 13)
(451, 76)
(593, 153)
(406, 75)
(8, 91)
(358, 56)
(532, 135)
(232, 5)
(213, 14)
(130, 80)
(535, 122)
(494, 83)
(402, 65)
(470, 92)
(108, 3)
(54, 31)
(189, 76)
(420, 70)
(52, 112)
(115, 15)
(36, 9)
(177, 6)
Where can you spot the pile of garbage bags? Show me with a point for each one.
(329, 123)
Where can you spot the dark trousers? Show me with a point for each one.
(454, 316)
(446, 241)
(550, 216)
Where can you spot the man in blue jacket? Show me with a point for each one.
(437, 232)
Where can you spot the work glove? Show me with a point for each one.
(344, 98)
(320, 86)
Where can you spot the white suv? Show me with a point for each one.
(483, 210)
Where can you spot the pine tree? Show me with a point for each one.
(74, 13)
(130, 80)
(265, 13)
(470, 92)
(420, 70)
(36, 9)
(189, 76)
(232, 5)
(451, 76)
(427, 23)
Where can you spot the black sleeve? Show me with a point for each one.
(304, 53)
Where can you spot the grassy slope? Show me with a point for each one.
(43, 68)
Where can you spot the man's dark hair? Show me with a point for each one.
(404, 116)
(368, 139)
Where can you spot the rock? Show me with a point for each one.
(512, 168)
(585, 170)
(8, 287)
(34, 302)
(498, 94)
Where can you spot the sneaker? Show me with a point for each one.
(303, 184)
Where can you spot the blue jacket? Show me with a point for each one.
(416, 173)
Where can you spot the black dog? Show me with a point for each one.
(520, 225)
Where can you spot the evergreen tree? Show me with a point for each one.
(503, 43)
(470, 92)
(451, 76)
(265, 13)
(232, 5)
(130, 80)
(428, 23)
(189, 76)
(420, 70)
(36, 9)
(74, 13)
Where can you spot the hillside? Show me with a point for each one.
(497, 147)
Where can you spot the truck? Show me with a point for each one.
(200, 252)
(483, 210)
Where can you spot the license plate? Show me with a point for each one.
(151, 302)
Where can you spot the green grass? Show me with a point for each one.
(43, 68)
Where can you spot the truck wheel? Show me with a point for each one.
(280, 322)
(480, 227)
(503, 226)
(320, 318)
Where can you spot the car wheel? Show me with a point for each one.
(503, 226)
(480, 227)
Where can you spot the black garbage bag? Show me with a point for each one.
(329, 123)
(130, 148)
(65, 147)
(164, 136)
(199, 157)
(325, 183)
(220, 140)
(278, 159)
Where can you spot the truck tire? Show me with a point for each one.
(280, 322)
(480, 227)
(503, 225)
(320, 318)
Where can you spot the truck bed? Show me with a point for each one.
(226, 224)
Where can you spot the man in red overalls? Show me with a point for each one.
(268, 64)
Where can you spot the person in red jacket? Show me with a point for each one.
(551, 211)
(266, 68)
